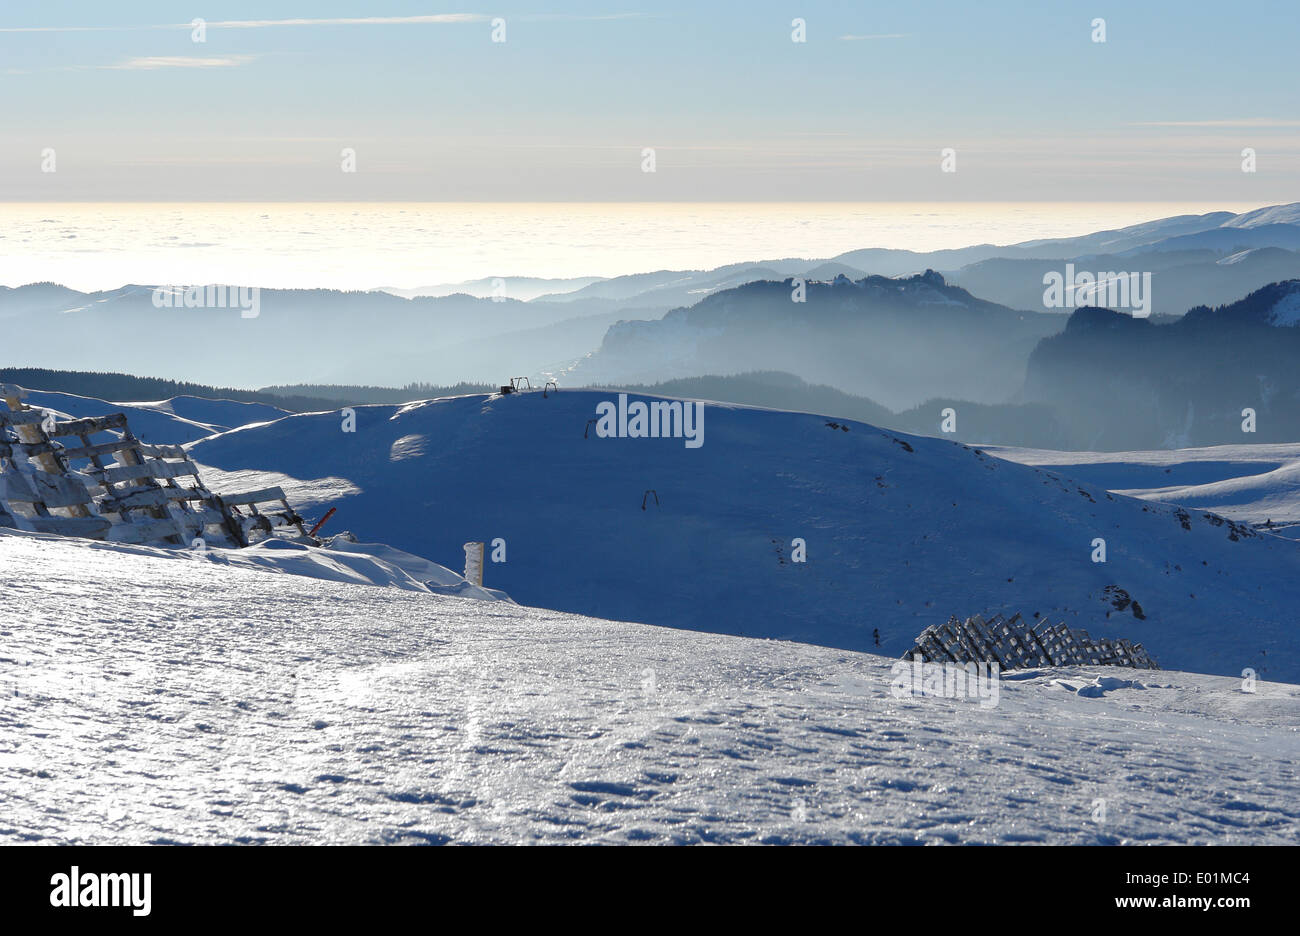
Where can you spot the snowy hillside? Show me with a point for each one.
(900, 532)
(1180, 232)
(166, 422)
(205, 704)
(1274, 214)
(1250, 483)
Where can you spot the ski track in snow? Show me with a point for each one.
(152, 701)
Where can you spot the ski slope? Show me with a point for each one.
(900, 531)
(149, 700)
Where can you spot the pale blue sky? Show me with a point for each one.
(735, 110)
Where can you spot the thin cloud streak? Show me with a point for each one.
(352, 21)
(579, 17)
(1257, 122)
(154, 62)
(436, 18)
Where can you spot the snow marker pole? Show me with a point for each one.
(321, 522)
(474, 563)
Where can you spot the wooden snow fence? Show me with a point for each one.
(55, 479)
(1015, 644)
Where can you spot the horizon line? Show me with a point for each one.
(570, 201)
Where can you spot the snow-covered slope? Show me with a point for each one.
(1249, 483)
(1274, 214)
(1274, 225)
(900, 532)
(153, 701)
(343, 558)
(224, 414)
(1286, 236)
(164, 422)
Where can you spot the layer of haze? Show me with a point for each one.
(363, 246)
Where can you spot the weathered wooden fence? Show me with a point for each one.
(94, 478)
(1015, 644)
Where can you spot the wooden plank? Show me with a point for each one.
(145, 470)
(25, 417)
(89, 425)
(253, 497)
(24, 449)
(194, 522)
(233, 527)
(145, 531)
(163, 451)
(97, 450)
(30, 449)
(19, 489)
(89, 527)
(206, 516)
(266, 521)
(60, 491)
(150, 497)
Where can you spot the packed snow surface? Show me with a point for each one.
(154, 701)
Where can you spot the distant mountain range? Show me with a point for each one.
(906, 332)
(897, 341)
(297, 336)
(1020, 424)
(1180, 279)
(1197, 245)
(1120, 383)
(524, 288)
